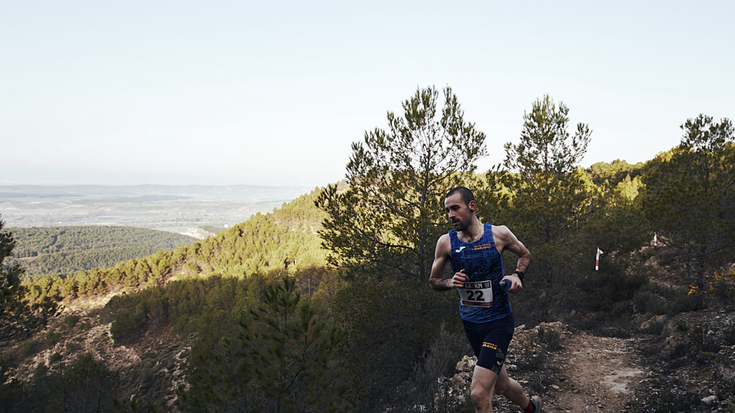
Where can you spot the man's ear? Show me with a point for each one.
(472, 206)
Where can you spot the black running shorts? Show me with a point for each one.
(490, 341)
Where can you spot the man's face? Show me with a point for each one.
(459, 213)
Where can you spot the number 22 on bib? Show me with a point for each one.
(476, 294)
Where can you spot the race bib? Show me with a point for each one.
(477, 294)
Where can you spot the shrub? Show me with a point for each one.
(647, 301)
(52, 337)
(441, 359)
(655, 327)
(71, 320)
(550, 337)
(29, 347)
(660, 299)
(719, 285)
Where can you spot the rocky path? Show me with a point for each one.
(593, 374)
(578, 373)
(575, 372)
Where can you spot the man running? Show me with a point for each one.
(474, 250)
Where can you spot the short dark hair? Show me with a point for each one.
(465, 193)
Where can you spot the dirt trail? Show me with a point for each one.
(594, 374)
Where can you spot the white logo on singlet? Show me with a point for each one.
(458, 250)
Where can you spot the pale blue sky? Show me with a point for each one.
(274, 93)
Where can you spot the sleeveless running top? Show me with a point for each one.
(481, 261)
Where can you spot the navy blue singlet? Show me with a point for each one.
(481, 261)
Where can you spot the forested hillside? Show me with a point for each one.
(64, 251)
(324, 305)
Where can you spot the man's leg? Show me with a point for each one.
(481, 390)
(485, 382)
(511, 389)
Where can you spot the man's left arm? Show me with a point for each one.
(506, 240)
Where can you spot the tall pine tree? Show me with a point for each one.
(391, 212)
(689, 195)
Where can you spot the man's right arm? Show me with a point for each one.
(441, 256)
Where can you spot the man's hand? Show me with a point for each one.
(459, 278)
(515, 283)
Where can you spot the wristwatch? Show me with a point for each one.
(520, 274)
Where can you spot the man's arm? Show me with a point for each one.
(506, 240)
(443, 254)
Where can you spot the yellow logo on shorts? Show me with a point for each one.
(490, 345)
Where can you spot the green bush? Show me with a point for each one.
(29, 347)
(660, 299)
(128, 325)
(52, 337)
(550, 337)
(440, 361)
(646, 301)
(654, 327)
(71, 320)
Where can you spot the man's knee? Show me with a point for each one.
(480, 396)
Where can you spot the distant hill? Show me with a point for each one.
(64, 251)
(285, 239)
(164, 207)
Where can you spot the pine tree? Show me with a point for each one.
(391, 212)
(689, 195)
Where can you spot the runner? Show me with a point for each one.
(474, 250)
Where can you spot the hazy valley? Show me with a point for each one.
(178, 209)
